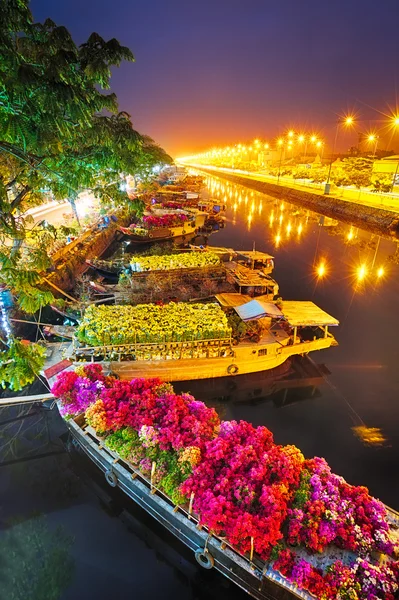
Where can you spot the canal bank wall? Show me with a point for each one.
(70, 261)
(369, 218)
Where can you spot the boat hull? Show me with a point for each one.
(183, 232)
(249, 576)
(244, 359)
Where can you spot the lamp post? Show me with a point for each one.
(394, 177)
(280, 142)
(373, 138)
(395, 123)
(348, 121)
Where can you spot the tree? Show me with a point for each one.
(354, 171)
(61, 132)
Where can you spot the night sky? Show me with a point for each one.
(222, 71)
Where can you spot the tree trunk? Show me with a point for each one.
(72, 202)
(16, 245)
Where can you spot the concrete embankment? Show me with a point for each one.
(375, 220)
(69, 262)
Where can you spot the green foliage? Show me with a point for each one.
(383, 184)
(23, 281)
(354, 171)
(319, 175)
(302, 174)
(20, 364)
(302, 493)
(35, 561)
(170, 472)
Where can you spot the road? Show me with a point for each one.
(53, 212)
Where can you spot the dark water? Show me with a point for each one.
(107, 547)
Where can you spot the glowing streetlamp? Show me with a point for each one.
(361, 272)
(347, 122)
(371, 138)
(380, 272)
(320, 146)
(321, 269)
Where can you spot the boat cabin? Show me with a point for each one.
(295, 322)
(256, 260)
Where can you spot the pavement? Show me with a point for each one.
(389, 202)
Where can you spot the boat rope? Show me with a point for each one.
(38, 326)
(60, 290)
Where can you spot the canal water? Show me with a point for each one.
(65, 535)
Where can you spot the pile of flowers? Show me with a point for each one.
(166, 262)
(152, 323)
(258, 495)
(168, 220)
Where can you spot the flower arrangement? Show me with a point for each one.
(151, 323)
(166, 262)
(168, 220)
(260, 496)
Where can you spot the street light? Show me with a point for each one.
(372, 137)
(280, 142)
(348, 122)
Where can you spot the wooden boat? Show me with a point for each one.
(143, 234)
(111, 269)
(139, 235)
(211, 551)
(72, 313)
(299, 328)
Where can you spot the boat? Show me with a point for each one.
(144, 233)
(298, 328)
(111, 269)
(72, 312)
(247, 570)
(209, 550)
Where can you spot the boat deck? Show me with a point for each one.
(244, 276)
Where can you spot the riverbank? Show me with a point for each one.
(70, 261)
(375, 220)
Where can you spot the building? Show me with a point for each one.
(388, 167)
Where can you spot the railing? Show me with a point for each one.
(388, 201)
(162, 350)
(259, 568)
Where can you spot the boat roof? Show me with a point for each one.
(244, 276)
(295, 312)
(256, 309)
(254, 254)
(232, 300)
(304, 312)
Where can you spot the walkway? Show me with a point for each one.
(389, 202)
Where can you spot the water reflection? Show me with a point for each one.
(351, 274)
(287, 225)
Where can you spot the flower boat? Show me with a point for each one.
(257, 512)
(187, 341)
(162, 225)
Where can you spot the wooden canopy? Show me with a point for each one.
(305, 313)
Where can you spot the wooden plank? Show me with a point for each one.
(57, 368)
(14, 400)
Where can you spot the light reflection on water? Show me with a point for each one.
(358, 284)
